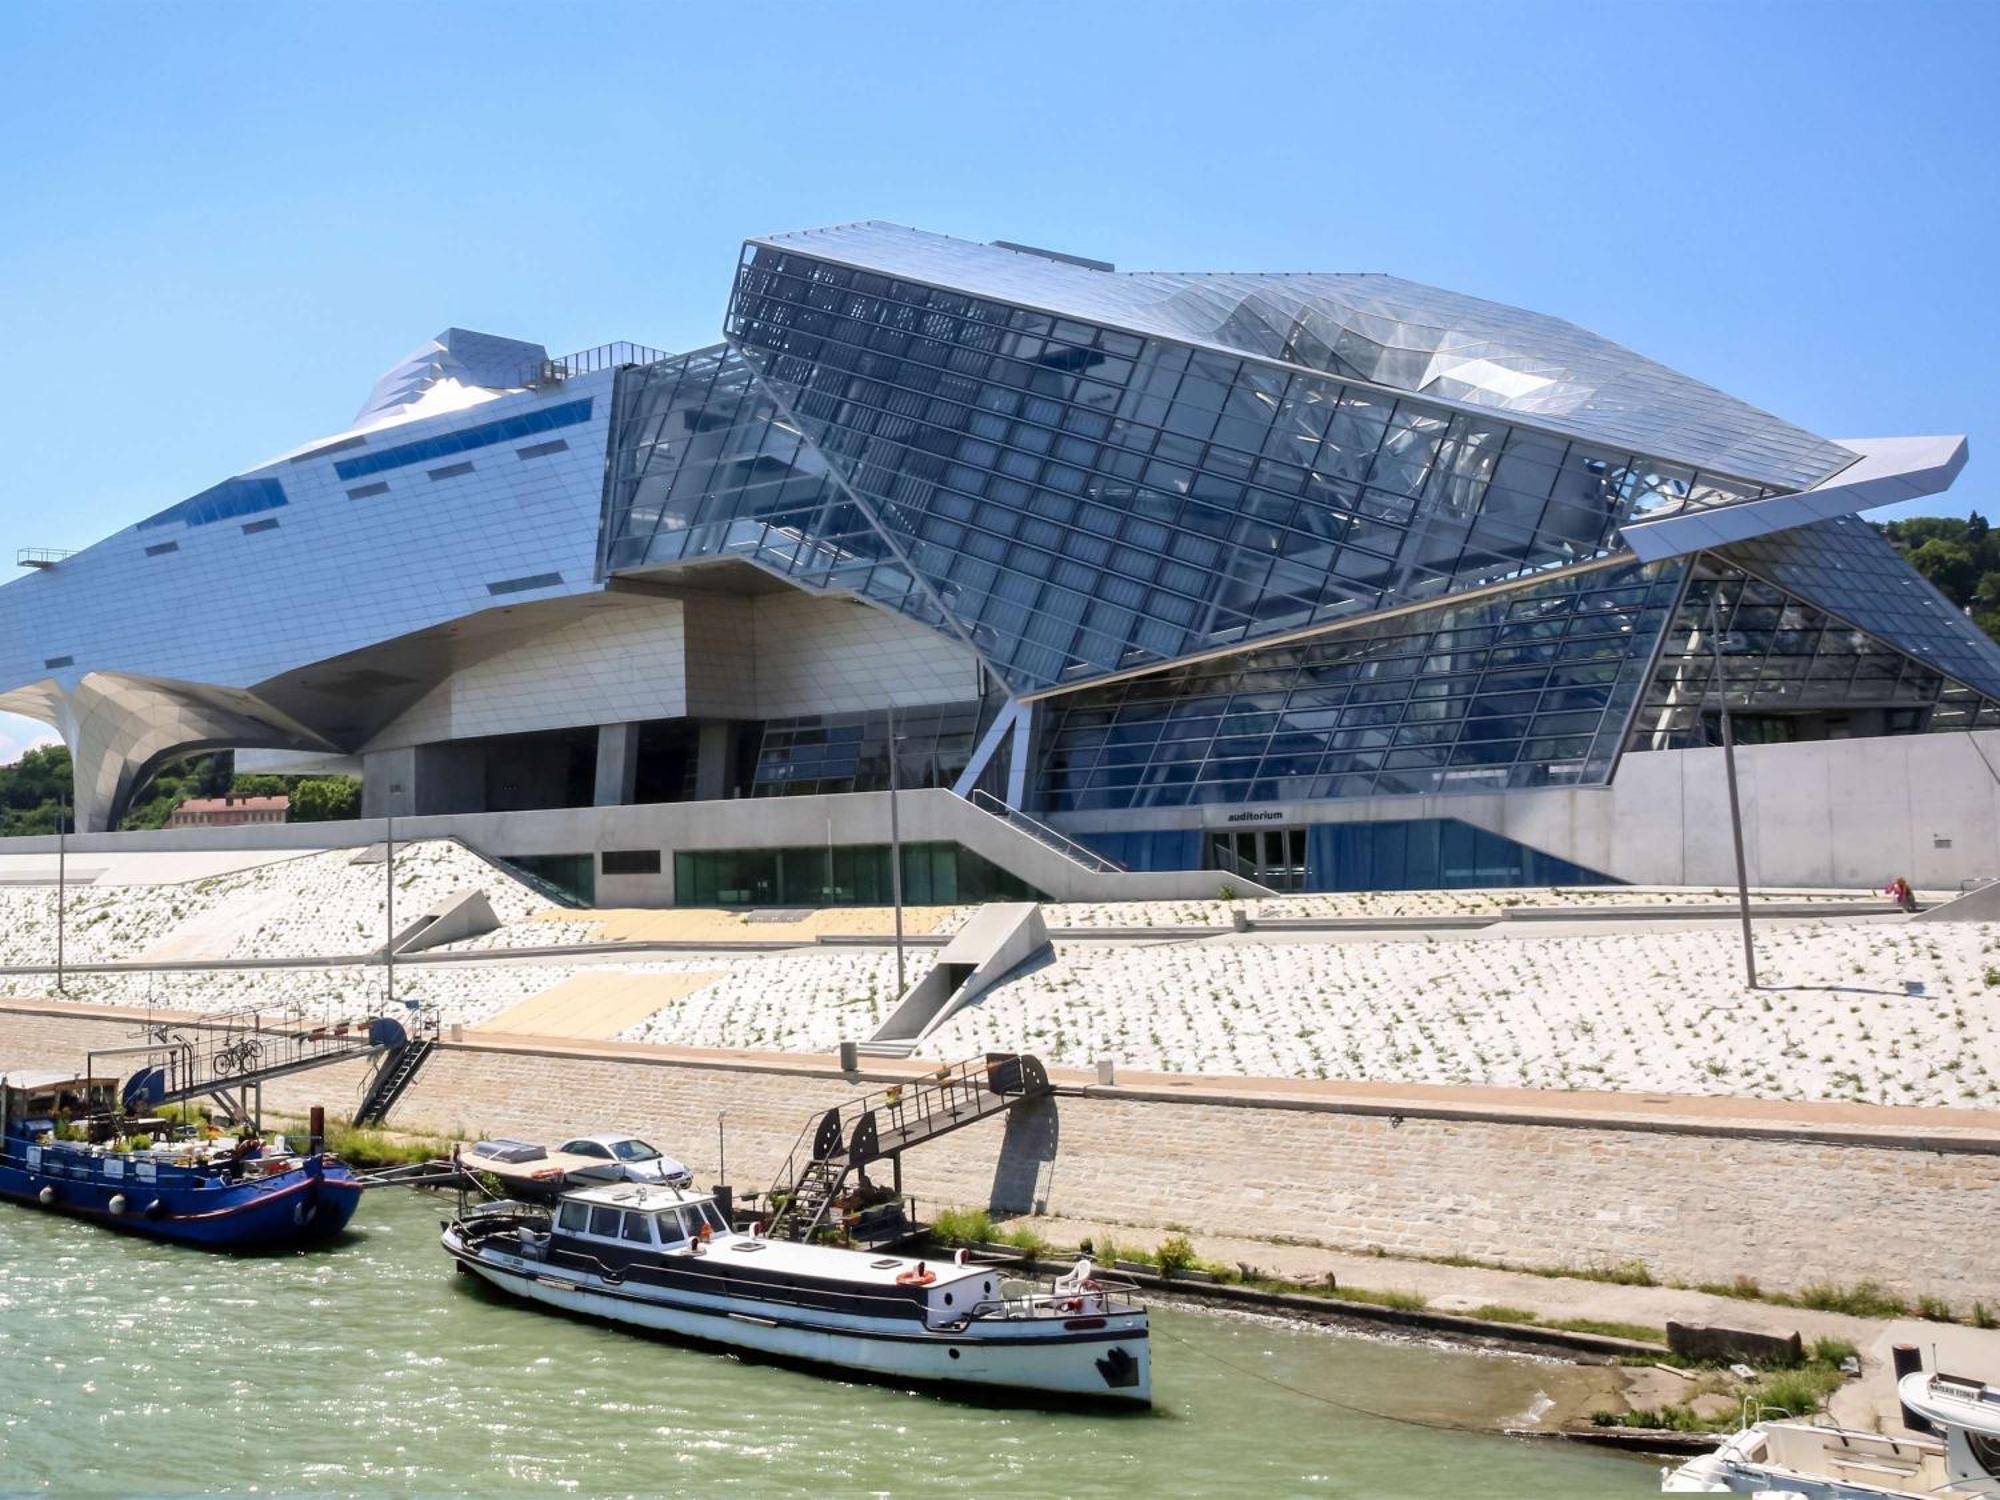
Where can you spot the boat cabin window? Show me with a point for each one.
(639, 1228)
(604, 1221)
(714, 1217)
(575, 1218)
(671, 1232)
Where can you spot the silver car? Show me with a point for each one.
(639, 1161)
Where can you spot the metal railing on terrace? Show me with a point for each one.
(590, 361)
(1068, 848)
(42, 557)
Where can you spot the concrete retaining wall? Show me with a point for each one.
(1829, 813)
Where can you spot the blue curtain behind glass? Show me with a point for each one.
(1429, 854)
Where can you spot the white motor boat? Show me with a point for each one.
(659, 1258)
(1836, 1463)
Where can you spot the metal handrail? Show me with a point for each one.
(965, 1080)
(1068, 847)
(1229, 864)
(589, 361)
(42, 557)
(1112, 1294)
(189, 1054)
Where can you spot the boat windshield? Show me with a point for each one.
(633, 1151)
(695, 1217)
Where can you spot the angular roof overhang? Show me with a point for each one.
(1889, 471)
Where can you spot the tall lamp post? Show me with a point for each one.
(62, 875)
(389, 938)
(895, 853)
(1729, 771)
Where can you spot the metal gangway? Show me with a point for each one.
(889, 1121)
(229, 1055)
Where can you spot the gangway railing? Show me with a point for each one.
(226, 1051)
(889, 1121)
(398, 1069)
(1068, 848)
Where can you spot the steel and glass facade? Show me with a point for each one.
(1205, 542)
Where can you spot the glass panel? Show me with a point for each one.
(1793, 671)
(1408, 681)
(1360, 501)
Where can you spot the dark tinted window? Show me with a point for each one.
(631, 861)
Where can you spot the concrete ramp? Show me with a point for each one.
(998, 939)
(1981, 904)
(463, 914)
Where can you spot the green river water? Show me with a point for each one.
(130, 1367)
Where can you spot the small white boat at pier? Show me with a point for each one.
(1794, 1458)
(666, 1260)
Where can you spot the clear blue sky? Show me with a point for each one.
(223, 221)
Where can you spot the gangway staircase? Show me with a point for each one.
(886, 1123)
(392, 1076)
(229, 1056)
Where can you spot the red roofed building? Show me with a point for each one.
(229, 812)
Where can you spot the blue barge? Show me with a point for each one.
(61, 1151)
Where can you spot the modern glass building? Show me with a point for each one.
(1246, 573)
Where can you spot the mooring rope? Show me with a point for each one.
(1433, 1424)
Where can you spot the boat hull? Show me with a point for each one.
(298, 1207)
(1106, 1366)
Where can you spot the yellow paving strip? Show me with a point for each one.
(594, 1007)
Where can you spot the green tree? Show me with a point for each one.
(256, 784)
(1912, 533)
(326, 799)
(33, 789)
(1949, 565)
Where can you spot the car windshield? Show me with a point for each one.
(634, 1151)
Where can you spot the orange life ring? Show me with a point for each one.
(916, 1278)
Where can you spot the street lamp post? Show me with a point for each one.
(62, 876)
(1735, 807)
(895, 853)
(389, 938)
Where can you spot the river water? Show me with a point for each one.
(132, 1367)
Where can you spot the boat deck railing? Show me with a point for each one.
(1104, 1296)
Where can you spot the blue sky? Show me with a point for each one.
(223, 221)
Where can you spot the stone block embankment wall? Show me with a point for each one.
(1693, 1207)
